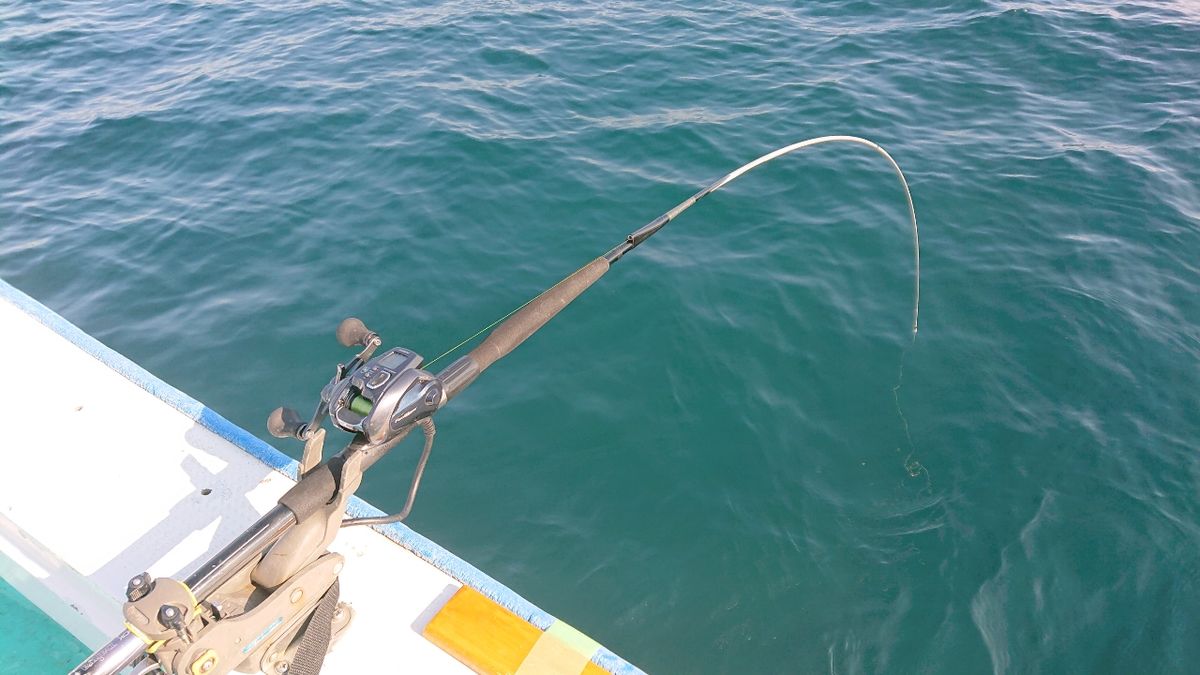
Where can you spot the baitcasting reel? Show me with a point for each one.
(281, 612)
(377, 397)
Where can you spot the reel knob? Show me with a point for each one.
(352, 332)
(285, 423)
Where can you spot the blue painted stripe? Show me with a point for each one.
(420, 545)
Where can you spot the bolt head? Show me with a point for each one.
(281, 667)
(170, 616)
(208, 664)
(138, 587)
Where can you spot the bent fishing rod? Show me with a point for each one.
(269, 600)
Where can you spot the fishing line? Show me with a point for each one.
(403, 397)
(656, 224)
(913, 467)
(481, 331)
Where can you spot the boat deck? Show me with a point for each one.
(70, 537)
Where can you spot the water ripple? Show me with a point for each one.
(712, 472)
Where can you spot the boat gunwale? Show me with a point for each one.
(421, 546)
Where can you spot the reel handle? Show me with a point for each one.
(285, 423)
(352, 332)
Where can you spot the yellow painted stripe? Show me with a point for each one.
(481, 634)
(490, 639)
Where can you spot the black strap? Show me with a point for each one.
(314, 638)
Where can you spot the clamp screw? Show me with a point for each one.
(138, 587)
(281, 667)
(171, 617)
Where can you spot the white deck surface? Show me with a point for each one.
(70, 538)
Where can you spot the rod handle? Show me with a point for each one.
(518, 327)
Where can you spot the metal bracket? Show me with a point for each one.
(279, 656)
(164, 614)
(314, 449)
(311, 536)
(225, 645)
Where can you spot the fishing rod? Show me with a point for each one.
(270, 598)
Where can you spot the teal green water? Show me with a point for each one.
(38, 644)
(701, 463)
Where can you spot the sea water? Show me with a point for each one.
(705, 462)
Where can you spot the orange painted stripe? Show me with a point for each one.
(483, 635)
(490, 639)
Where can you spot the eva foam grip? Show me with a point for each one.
(517, 328)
